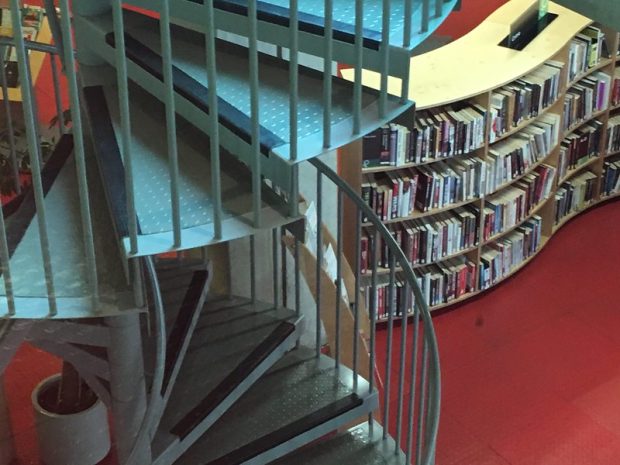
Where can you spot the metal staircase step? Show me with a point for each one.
(273, 21)
(360, 445)
(301, 399)
(143, 45)
(152, 177)
(234, 343)
(69, 268)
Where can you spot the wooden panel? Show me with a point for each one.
(475, 64)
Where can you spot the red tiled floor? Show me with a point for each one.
(531, 369)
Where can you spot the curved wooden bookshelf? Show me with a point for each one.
(434, 84)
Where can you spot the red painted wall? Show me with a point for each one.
(472, 13)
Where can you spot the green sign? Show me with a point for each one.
(543, 8)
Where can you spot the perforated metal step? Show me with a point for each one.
(299, 400)
(358, 446)
(72, 291)
(152, 177)
(273, 16)
(189, 58)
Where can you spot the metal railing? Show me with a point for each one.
(31, 122)
(417, 413)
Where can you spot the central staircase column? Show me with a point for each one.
(127, 385)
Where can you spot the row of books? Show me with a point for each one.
(401, 297)
(509, 207)
(502, 257)
(398, 194)
(588, 96)
(611, 178)
(513, 157)
(585, 51)
(426, 242)
(615, 91)
(437, 133)
(440, 284)
(525, 98)
(579, 146)
(613, 134)
(572, 196)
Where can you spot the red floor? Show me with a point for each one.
(531, 370)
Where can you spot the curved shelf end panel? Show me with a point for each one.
(72, 292)
(432, 80)
(152, 179)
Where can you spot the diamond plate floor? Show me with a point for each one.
(358, 446)
(189, 57)
(152, 178)
(228, 330)
(290, 393)
(68, 261)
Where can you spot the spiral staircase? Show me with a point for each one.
(181, 140)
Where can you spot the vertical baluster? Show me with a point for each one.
(123, 95)
(297, 279)
(213, 118)
(33, 148)
(275, 263)
(425, 14)
(422, 403)
(412, 382)
(357, 296)
(388, 355)
(373, 320)
(55, 27)
(438, 8)
(57, 97)
(171, 123)
(385, 58)
(79, 154)
(359, 57)
(9, 123)
(284, 268)
(294, 195)
(319, 257)
(401, 373)
(253, 268)
(294, 76)
(407, 33)
(255, 111)
(339, 247)
(327, 73)
(6, 267)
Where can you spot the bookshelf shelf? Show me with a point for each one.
(388, 168)
(433, 212)
(570, 173)
(583, 122)
(484, 83)
(386, 271)
(533, 213)
(572, 215)
(525, 123)
(599, 66)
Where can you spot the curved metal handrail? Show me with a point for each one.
(432, 427)
(154, 401)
